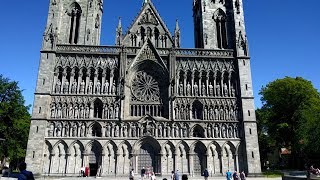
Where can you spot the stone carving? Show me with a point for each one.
(145, 88)
(98, 87)
(90, 87)
(58, 86)
(148, 18)
(106, 87)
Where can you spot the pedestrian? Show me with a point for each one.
(206, 174)
(143, 173)
(172, 175)
(131, 176)
(228, 175)
(153, 176)
(243, 176)
(235, 175)
(24, 174)
(176, 175)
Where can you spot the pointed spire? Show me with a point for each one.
(119, 23)
(177, 26)
(177, 35)
(119, 33)
(145, 2)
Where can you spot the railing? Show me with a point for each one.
(88, 49)
(204, 52)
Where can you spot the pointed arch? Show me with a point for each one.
(75, 15)
(75, 159)
(59, 159)
(168, 150)
(221, 28)
(198, 131)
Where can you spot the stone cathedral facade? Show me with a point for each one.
(145, 101)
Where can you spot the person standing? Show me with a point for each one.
(172, 175)
(176, 175)
(153, 176)
(235, 175)
(24, 174)
(228, 175)
(143, 172)
(243, 176)
(131, 176)
(206, 174)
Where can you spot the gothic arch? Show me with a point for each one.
(75, 159)
(48, 153)
(198, 131)
(74, 29)
(197, 110)
(110, 158)
(168, 150)
(96, 129)
(200, 158)
(98, 108)
(59, 158)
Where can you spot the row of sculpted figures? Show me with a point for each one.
(137, 130)
(207, 84)
(66, 157)
(81, 110)
(211, 110)
(85, 81)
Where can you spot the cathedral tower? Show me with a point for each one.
(219, 24)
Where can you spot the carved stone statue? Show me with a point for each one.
(59, 113)
(76, 112)
(196, 89)
(113, 88)
(82, 87)
(210, 89)
(181, 89)
(134, 132)
(87, 112)
(225, 89)
(189, 89)
(203, 89)
(74, 87)
(53, 110)
(81, 111)
(107, 130)
(218, 90)
(90, 87)
(66, 87)
(71, 113)
(51, 130)
(74, 130)
(58, 86)
(106, 87)
(217, 114)
(160, 130)
(64, 111)
(82, 130)
(98, 87)
(58, 130)
(116, 131)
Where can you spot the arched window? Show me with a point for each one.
(75, 15)
(156, 36)
(96, 130)
(221, 29)
(143, 34)
(198, 131)
(98, 107)
(197, 109)
(149, 32)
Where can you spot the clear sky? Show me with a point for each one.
(283, 36)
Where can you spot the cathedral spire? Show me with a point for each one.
(145, 2)
(119, 33)
(177, 35)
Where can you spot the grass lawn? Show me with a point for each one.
(272, 174)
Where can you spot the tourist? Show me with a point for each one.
(153, 176)
(143, 173)
(235, 175)
(176, 175)
(243, 176)
(206, 174)
(131, 176)
(228, 175)
(172, 175)
(24, 174)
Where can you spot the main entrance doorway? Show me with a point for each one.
(95, 158)
(149, 158)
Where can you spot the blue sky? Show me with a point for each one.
(283, 36)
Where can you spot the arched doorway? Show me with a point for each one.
(95, 158)
(200, 158)
(149, 156)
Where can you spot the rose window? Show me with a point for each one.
(145, 88)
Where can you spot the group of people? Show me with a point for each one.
(235, 175)
(145, 174)
(23, 175)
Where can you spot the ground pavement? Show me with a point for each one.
(126, 178)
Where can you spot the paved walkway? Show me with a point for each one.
(125, 178)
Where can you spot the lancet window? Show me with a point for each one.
(75, 15)
(221, 29)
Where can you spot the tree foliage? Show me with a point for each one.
(14, 120)
(290, 116)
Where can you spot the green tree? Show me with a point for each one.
(14, 121)
(290, 109)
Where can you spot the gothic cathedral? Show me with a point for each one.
(145, 101)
